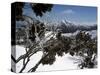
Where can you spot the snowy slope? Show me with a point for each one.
(62, 63)
(65, 62)
(93, 33)
(34, 59)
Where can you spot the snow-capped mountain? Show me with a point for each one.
(68, 27)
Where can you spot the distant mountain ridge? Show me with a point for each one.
(68, 27)
(64, 25)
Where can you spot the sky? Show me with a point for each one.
(73, 14)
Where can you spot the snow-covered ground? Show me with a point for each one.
(93, 33)
(65, 62)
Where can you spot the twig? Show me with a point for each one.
(24, 65)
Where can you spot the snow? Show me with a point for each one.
(93, 33)
(48, 35)
(70, 34)
(20, 50)
(33, 60)
(62, 63)
(65, 62)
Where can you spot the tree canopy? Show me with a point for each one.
(39, 9)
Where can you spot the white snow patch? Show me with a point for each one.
(33, 60)
(66, 62)
(20, 50)
(93, 33)
(48, 35)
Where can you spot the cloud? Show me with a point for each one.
(69, 11)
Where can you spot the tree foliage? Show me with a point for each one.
(38, 8)
(79, 44)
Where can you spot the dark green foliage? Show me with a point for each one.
(58, 47)
(40, 9)
(60, 53)
(55, 47)
(87, 63)
(83, 36)
(49, 60)
(71, 53)
(36, 28)
(87, 46)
